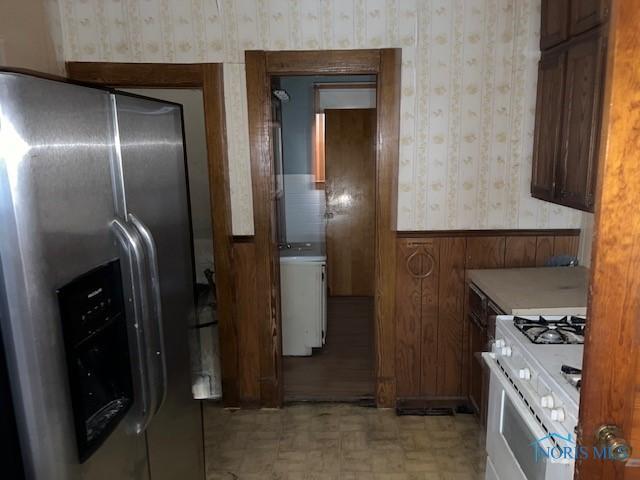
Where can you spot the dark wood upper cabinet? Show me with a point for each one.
(555, 23)
(547, 136)
(573, 37)
(587, 14)
(577, 169)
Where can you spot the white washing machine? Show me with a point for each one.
(303, 294)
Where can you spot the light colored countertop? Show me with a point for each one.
(535, 291)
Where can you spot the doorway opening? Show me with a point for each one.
(324, 130)
(204, 344)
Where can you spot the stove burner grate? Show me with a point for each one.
(545, 330)
(572, 375)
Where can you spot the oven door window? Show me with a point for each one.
(519, 438)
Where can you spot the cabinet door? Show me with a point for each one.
(554, 23)
(548, 129)
(581, 123)
(586, 14)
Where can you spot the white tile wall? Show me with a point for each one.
(304, 209)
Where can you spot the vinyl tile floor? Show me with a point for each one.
(340, 442)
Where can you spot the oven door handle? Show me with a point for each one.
(156, 343)
(133, 249)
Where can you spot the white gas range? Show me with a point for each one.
(533, 406)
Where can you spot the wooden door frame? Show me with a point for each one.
(260, 67)
(207, 77)
(610, 392)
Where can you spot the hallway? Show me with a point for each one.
(343, 369)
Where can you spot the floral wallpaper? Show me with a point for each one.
(468, 87)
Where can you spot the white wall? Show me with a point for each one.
(586, 239)
(196, 148)
(305, 206)
(347, 98)
(31, 35)
(468, 87)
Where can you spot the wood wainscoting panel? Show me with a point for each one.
(520, 252)
(566, 245)
(432, 331)
(247, 324)
(485, 252)
(450, 316)
(544, 249)
(408, 317)
(430, 268)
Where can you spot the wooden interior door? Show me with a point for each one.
(350, 190)
(610, 392)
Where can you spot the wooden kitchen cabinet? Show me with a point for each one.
(547, 138)
(554, 27)
(578, 164)
(587, 14)
(478, 340)
(568, 118)
(481, 313)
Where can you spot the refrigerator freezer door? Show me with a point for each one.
(153, 165)
(56, 206)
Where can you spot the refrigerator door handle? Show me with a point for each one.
(131, 244)
(158, 351)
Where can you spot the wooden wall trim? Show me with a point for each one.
(325, 62)
(208, 77)
(487, 233)
(388, 142)
(215, 127)
(148, 75)
(267, 262)
(260, 66)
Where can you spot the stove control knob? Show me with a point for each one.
(546, 401)
(524, 374)
(505, 351)
(557, 415)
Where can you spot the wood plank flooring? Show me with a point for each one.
(343, 369)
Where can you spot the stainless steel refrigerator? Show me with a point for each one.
(96, 282)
